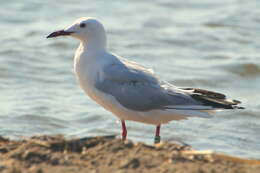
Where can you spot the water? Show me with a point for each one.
(207, 44)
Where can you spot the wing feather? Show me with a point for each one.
(137, 88)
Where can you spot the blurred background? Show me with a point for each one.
(208, 44)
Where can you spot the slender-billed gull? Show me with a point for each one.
(131, 91)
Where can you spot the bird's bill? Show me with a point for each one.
(59, 33)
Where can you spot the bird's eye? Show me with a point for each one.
(82, 25)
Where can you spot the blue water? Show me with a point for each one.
(207, 44)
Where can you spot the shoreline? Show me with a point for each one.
(42, 154)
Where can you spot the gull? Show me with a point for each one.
(129, 90)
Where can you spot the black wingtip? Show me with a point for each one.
(239, 107)
(236, 101)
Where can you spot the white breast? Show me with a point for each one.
(88, 70)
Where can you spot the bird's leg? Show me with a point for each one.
(124, 131)
(157, 137)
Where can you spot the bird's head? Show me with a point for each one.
(87, 30)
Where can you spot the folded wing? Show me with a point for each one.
(136, 88)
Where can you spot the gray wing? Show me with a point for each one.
(136, 88)
(127, 71)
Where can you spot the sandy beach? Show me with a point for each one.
(42, 154)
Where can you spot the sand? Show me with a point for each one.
(49, 154)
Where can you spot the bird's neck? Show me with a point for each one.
(89, 52)
(97, 44)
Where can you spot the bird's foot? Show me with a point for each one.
(123, 138)
(157, 139)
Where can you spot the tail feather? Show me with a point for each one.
(213, 99)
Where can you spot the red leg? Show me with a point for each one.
(158, 130)
(124, 131)
(157, 137)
